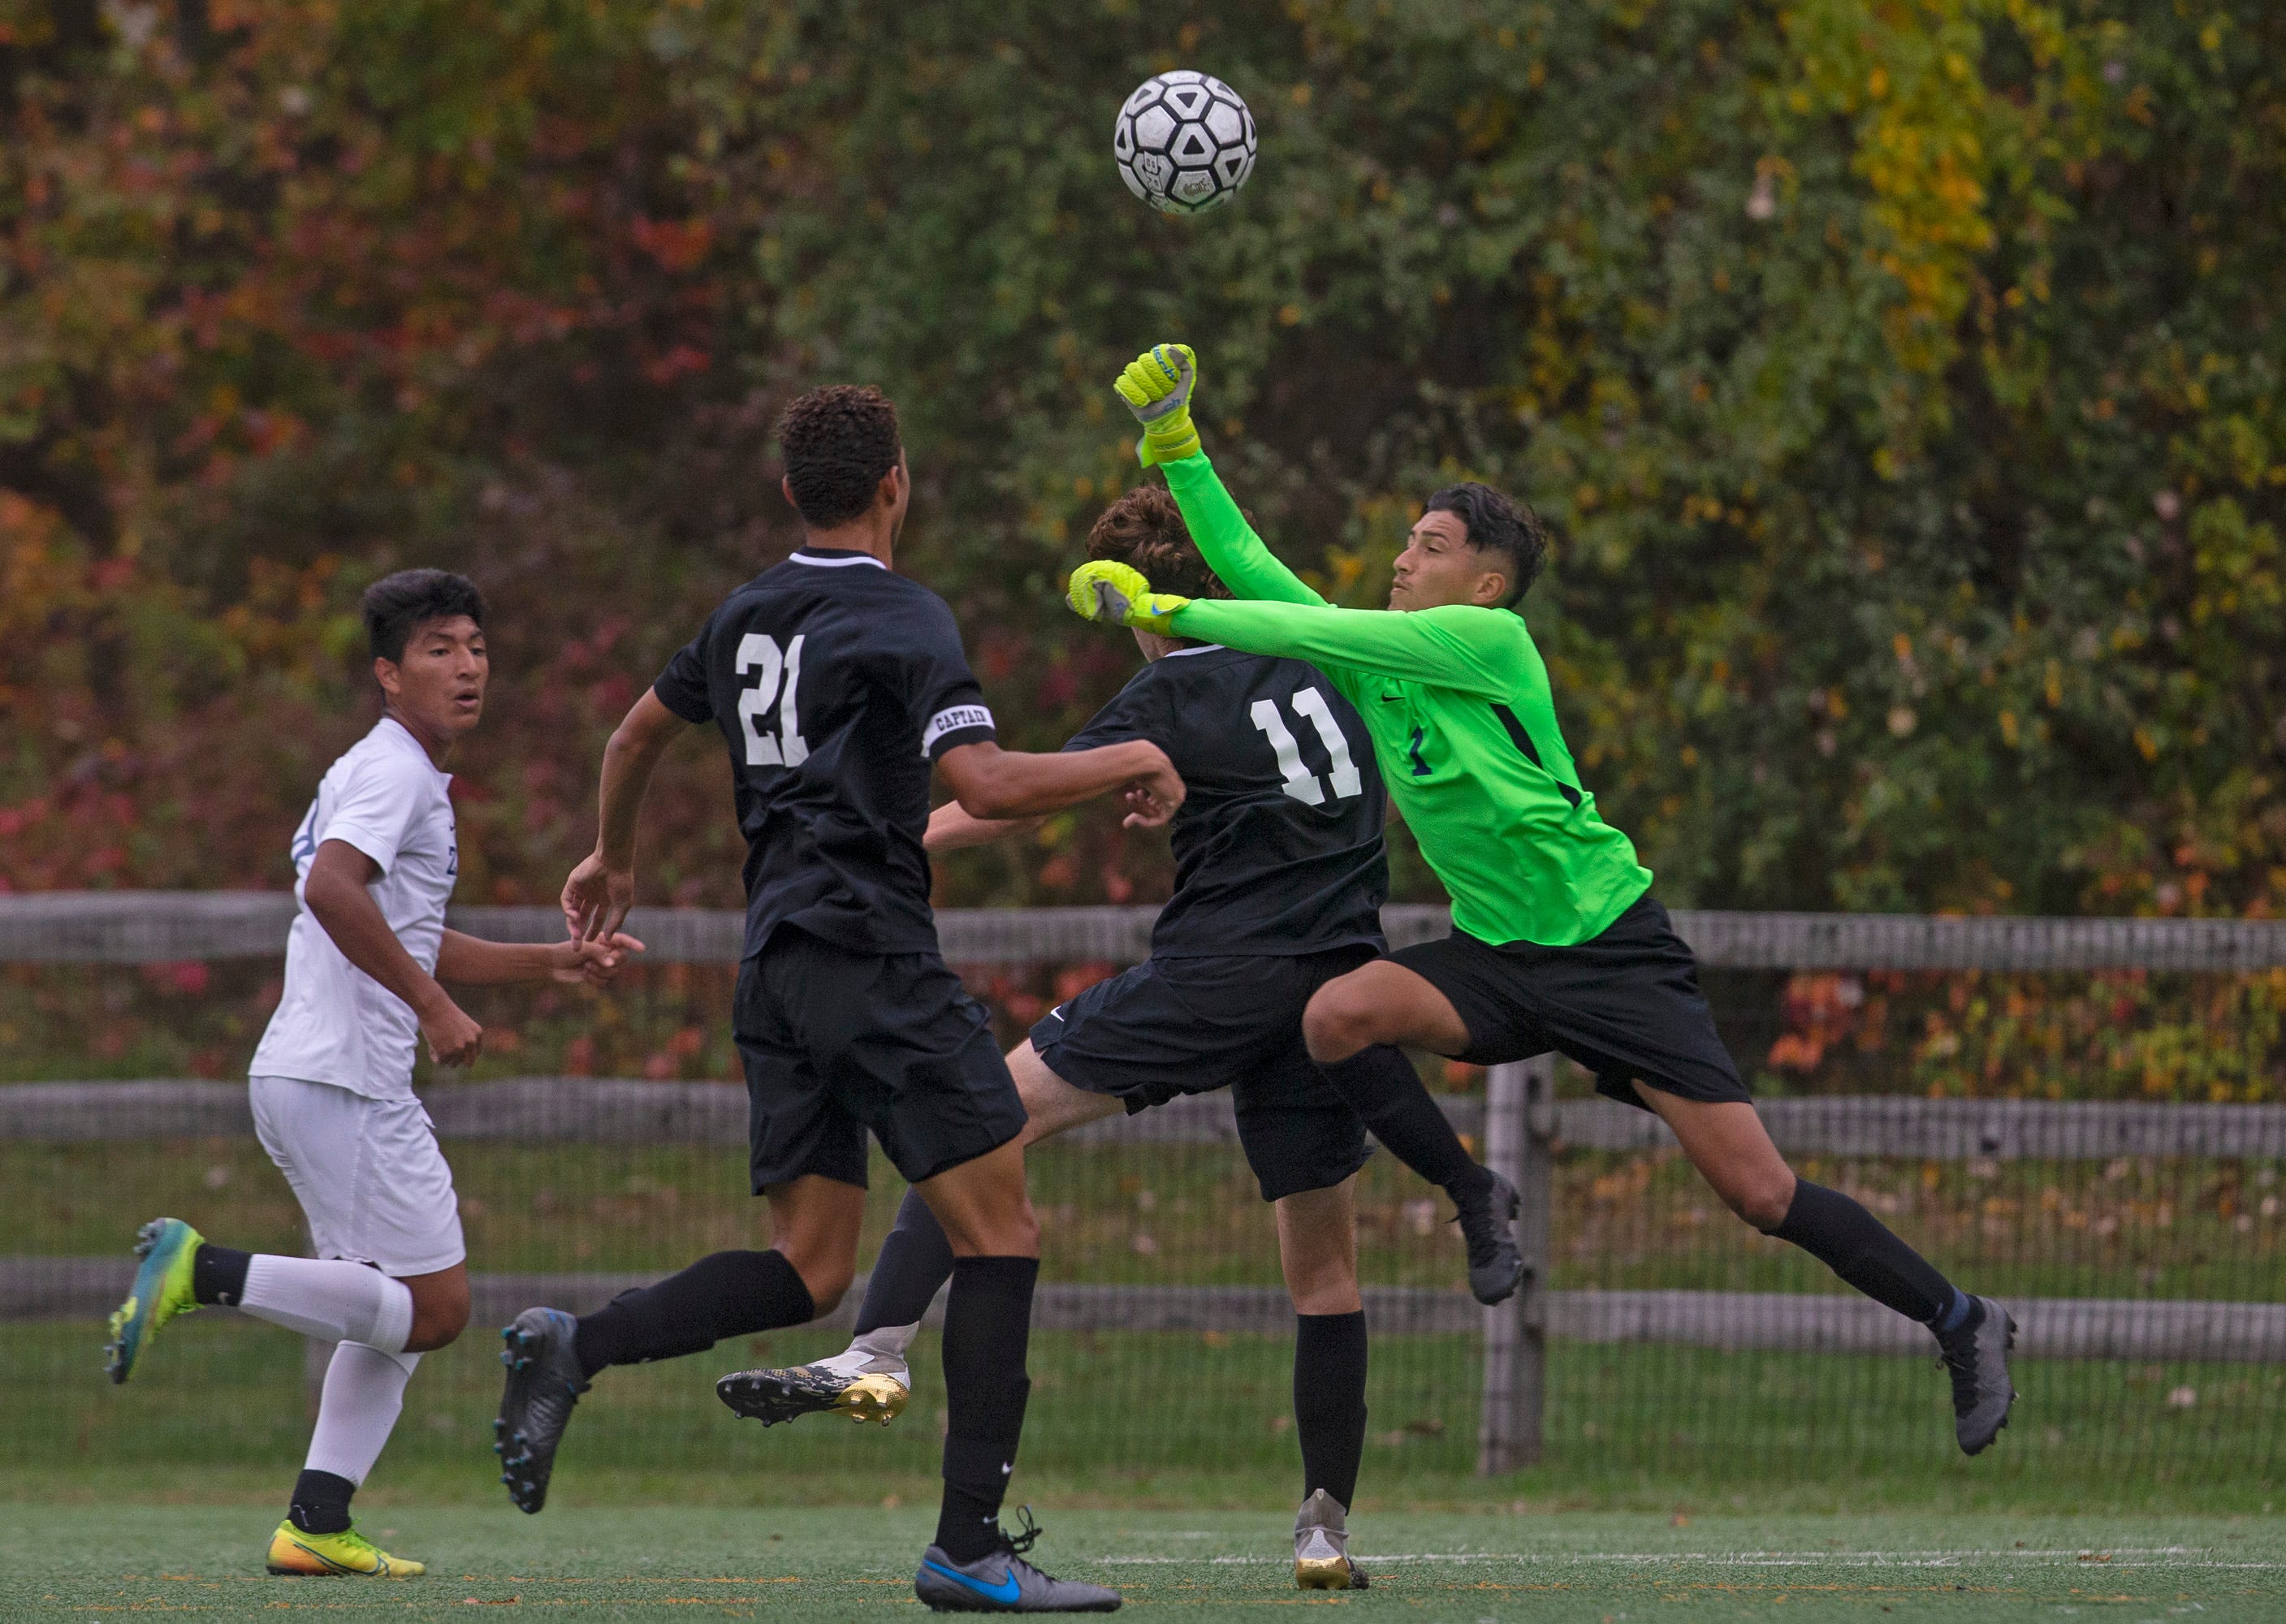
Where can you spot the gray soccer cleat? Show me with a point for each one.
(1005, 1582)
(1977, 1358)
(863, 1385)
(1488, 1223)
(1322, 1546)
(544, 1382)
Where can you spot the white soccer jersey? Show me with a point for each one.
(336, 1024)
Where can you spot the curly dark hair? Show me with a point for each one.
(397, 605)
(1145, 529)
(838, 440)
(1499, 523)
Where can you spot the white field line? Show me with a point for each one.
(2097, 1557)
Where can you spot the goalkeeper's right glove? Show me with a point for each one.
(1109, 590)
(1156, 386)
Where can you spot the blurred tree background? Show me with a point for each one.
(1902, 376)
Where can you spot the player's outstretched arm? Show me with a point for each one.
(336, 896)
(1476, 651)
(950, 828)
(471, 961)
(992, 784)
(1157, 386)
(601, 890)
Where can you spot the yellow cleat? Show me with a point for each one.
(346, 1553)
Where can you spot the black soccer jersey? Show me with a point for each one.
(836, 683)
(1278, 847)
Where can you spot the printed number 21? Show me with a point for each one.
(1301, 783)
(788, 749)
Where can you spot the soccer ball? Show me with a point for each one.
(1185, 142)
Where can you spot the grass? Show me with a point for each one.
(1171, 1420)
(704, 1560)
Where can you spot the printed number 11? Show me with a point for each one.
(1301, 783)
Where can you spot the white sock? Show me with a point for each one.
(365, 1392)
(339, 1302)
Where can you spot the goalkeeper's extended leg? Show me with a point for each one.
(1727, 1142)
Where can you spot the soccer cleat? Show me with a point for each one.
(348, 1553)
(544, 1382)
(863, 1385)
(1002, 1582)
(1977, 1356)
(1487, 1222)
(162, 1290)
(1321, 1547)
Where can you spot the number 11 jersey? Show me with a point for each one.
(1278, 847)
(837, 683)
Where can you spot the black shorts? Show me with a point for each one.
(1190, 1026)
(837, 1042)
(1625, 1004)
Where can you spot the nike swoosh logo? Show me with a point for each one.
(1392, 698)
(1006, 1590)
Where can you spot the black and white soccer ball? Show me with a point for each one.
(1185, 142)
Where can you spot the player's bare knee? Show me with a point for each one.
(440, 1314)
(1338, 1022)
(1762, 1200)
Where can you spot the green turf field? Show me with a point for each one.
(791, 1562)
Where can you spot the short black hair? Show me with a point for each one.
(1499, 523)
(396, 604)
(839, 441)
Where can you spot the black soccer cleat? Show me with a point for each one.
(775, 1395)
(544, 1382)
(1002, 1582)
(1487, 1222)
(1977, 1356)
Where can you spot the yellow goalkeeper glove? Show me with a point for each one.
(1109, 590)
(1156, 387)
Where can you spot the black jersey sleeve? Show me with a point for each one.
(1137, 711)
(682, 687)
(948, 706)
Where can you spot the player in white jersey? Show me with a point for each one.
(332, 1080)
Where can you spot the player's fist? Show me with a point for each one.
(1117, 592)
(1156, 387)
(455, 1038)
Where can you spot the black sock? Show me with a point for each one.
(218, 1277)
(726, 1293)
(321, 1501)
(914, 1260)
(1330, 1401)
(987, 1325)
(1863, 1251)
(1381, 1085)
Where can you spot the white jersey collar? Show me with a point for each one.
(1204, 647)
(836, 560)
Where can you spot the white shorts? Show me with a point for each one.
(369, 1174)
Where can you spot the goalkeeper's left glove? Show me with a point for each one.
(1109, 590)
(1156, 386)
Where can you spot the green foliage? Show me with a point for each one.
(1901, 373)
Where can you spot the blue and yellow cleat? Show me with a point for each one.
(162, 1290)
(348, 1553)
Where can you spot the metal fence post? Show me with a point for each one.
(1519, 1124)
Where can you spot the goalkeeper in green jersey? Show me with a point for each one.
(1557, 942)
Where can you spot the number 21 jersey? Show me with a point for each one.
(837, 683)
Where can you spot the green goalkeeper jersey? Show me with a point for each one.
(1457, 701)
